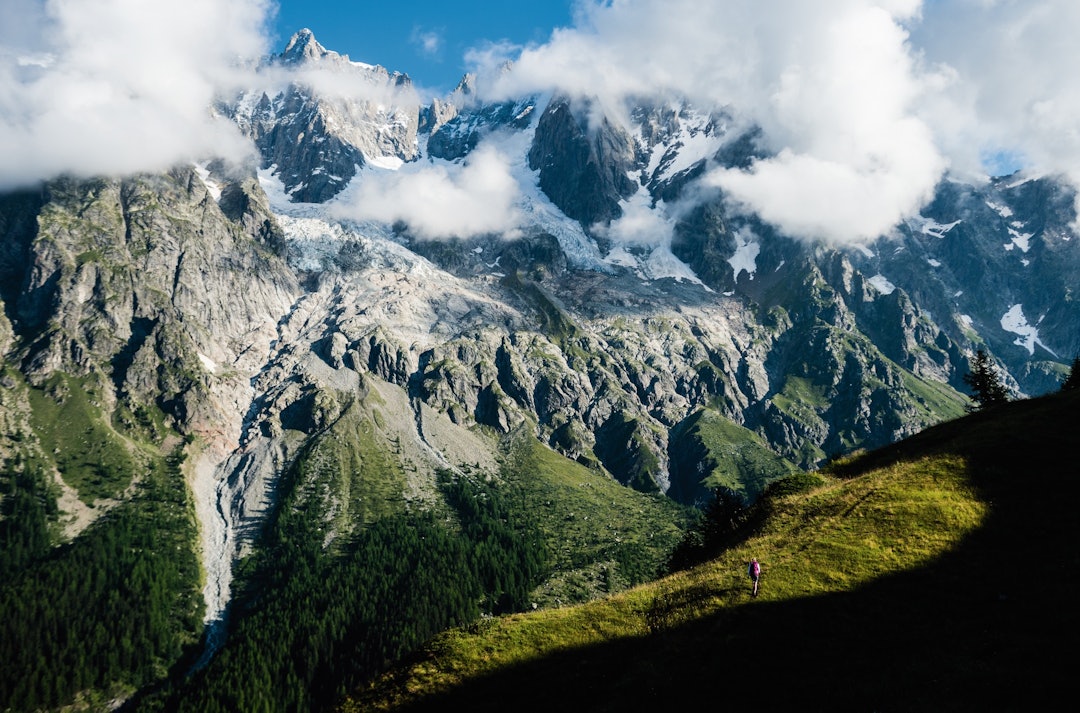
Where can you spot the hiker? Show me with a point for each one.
(754, 571)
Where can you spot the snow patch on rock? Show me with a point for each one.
(1015, 322)
(212, 186)
(1019, 240)
(207, 363)
(747, 249)
(882, 284)
(929, 226)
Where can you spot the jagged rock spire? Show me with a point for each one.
(303, 47)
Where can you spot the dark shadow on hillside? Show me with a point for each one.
(982, 628)
(141, 329)
(18, 229)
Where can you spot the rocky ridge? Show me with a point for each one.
(318, 141)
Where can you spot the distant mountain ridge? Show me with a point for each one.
(1015, 230)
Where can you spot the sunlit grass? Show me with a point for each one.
(78, 438)
(834, 538)
(600, 535)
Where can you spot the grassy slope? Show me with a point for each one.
(733, 457)
(936, 574)
(600, 535)
(87, 450)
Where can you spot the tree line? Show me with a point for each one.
(111, 610)
(310, 623)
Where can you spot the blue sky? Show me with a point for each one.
(426, 39)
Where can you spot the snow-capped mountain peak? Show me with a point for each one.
(303, 47)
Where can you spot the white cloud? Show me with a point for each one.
(640, 225)
(118, 86)
(835, 200)
(440, 200)
(834, 84)
(428, 42)
(865, 103)
(1015, 89)
(855, 159)
(336, 79)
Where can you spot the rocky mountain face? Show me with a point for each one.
(997, 266)
(317, 142)
(727, 356)
(133, 281)
(816, 350)
(584, 170)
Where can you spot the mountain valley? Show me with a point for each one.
(258, 444)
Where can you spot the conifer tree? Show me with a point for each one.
(1072, 381)
(987, 388)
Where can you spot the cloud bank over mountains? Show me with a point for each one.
(113, 86)
(1012, 88)
(440, 201)
(863, 104)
